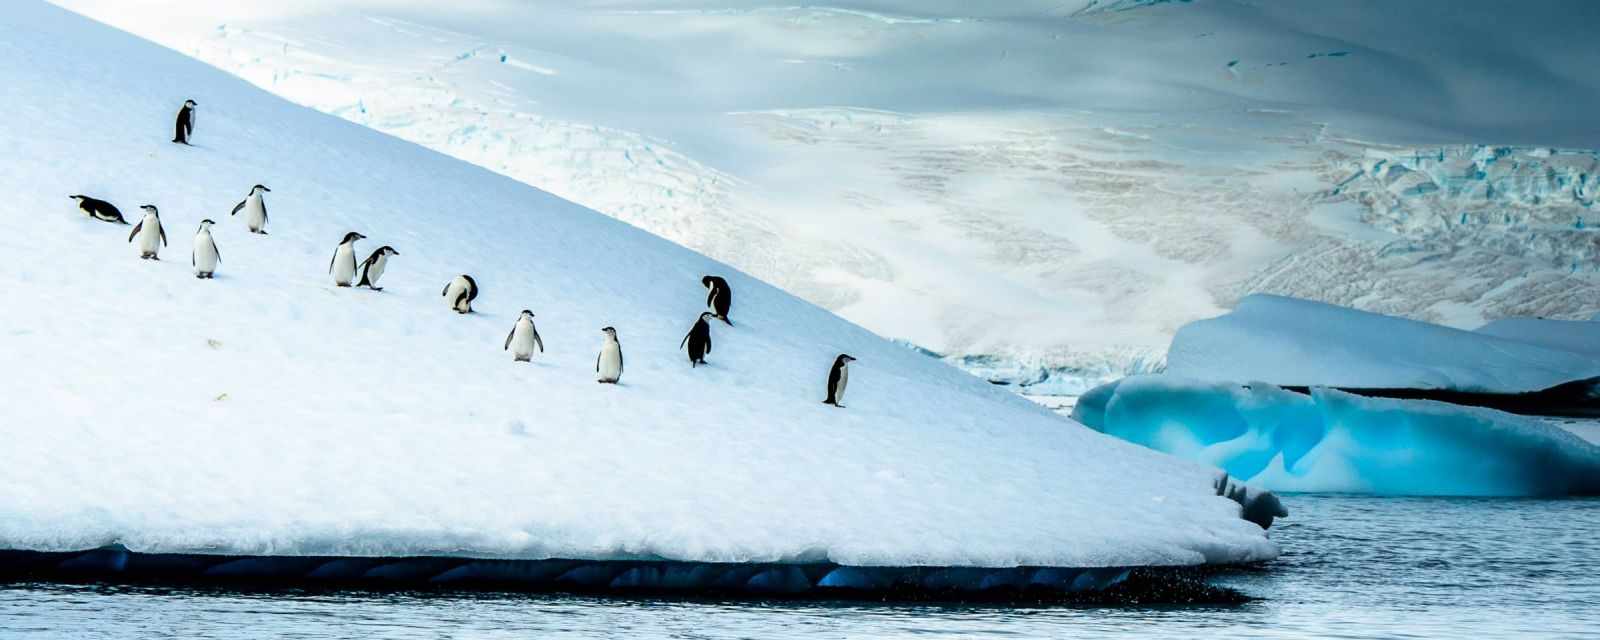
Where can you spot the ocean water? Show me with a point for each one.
(1353, 567)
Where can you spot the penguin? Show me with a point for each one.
(838, 379)
(98, 209)
(372, 268)
(343, 264)
(699, 340)
(255, 210)
(460, 293)
(185, 125)
(608, 365)
(719, 298)
(524, 336)
(205, 256)
(149, 232)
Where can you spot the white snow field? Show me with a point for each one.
(1337, 442)
(1043, 191)
(267, 412)
(1291, 342)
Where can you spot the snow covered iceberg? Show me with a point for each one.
(269, 414)
(1571, 335)
(1338, 442)
(1293, 342)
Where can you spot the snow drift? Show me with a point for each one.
(267, 412)
(1293, 342)
(1335, 441)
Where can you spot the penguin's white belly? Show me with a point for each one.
(844, 381)
(205, 253)
(344, 264)
(610, 361)
(375, 270)
(255, 213)
(455, 290)
(522, 340)
(150, 237)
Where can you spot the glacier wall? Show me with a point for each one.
(1330, 441)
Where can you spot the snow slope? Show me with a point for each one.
(1338, 442)
(1299, 342)
(1044, 191)
(267, 412)
(1581, 336)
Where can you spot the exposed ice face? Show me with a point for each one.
(1299, 342)
(1581, 336)
(1334, 441)
(271, 413)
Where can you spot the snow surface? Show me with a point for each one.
(269, 412)
(1044, 190)
(1337, 442)
(1293, 342)
(1572, 335)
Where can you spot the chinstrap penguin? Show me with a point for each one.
(719, 297)
(608, 365)
(372, 268)
(460, 293)
(255, 210)
(150, 234)
(523, 338)
(98, 209)
(205, 256)
(185, 125)
(838, 379)
(698, 340)
(343, 264)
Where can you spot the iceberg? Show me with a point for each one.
(1293, 342)
(272, 420)
(1332, 441)
(1571, 335)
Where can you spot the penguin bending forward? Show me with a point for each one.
(205, 256)
(372, 268)
(523, 337)
(255, 210)
(699, 340)
(719, 297)
(343, 264)
(608, 365)
(98, 209)
(150, 234)
(838, 379)
(460, 293)
(185, 125)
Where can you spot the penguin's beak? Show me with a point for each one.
(265, 189)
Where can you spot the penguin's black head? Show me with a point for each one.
(527, 313)
(706, 281)
(610, 331)
(151, 208)
(190, 103)
(388, 250)
(352, 237)
(260, 187)
(79, 198)
(707, 316)
(206, 223)
(845, 358)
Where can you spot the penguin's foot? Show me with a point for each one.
(343, 284)
(374, 288)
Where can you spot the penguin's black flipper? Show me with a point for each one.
(443, 291)
(163, 231)
(508, 338)
(237, 207)
(708, 342)
(597, 363)
(538, 340)
(332, 260)
(685, 339)
(135, 231)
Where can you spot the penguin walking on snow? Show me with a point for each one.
(150, 234)
(460, 293)
(608, 365)
(719, 297)
(185, 125)
(255, 210)
(523, 338)
(343, 264)
(838, 379)
(98, 209)
(205, 256)
(698, 340)
(372, 268)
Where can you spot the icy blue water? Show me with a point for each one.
(1354, 567)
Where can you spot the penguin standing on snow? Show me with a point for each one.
(523, 337)
(99, 209)
(372, 268)
(460, 293)
(343, 264)
(185, 125)
(719, 298)
(205, 256)
(255, 210)
(838, 379)
(608, 365)
(699, 340)
(150, 234)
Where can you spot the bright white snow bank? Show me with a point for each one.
(1338, 442)
(269, 413)
(1571, 335)
(1293, 342)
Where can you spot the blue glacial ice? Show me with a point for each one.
(1331, 441)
